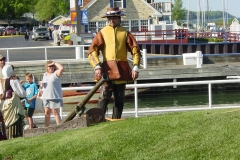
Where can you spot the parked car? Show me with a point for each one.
(41, 33)
(22, 30)
(10, 31)
(1, 31)
(33, 31)
(2, 28)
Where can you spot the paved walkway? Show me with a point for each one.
(61, 44)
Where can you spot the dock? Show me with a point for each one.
(159, 67)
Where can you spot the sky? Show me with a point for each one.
(232, 6)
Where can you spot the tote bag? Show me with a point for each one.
(39, 104)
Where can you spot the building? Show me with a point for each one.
(58, 20)
(140, 14)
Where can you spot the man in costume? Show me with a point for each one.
(114, 41)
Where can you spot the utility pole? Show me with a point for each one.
(188, 16)
(78, 50)
(170, 11)
(78, 17)
(223, 3)
(208, 12)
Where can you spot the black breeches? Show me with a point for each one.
(118, 91)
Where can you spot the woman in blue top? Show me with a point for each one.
(52, 91)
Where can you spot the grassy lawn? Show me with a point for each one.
(209, 134)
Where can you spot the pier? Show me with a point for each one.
(159, 67)
(180, 48)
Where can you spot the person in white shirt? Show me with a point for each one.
(55, 35)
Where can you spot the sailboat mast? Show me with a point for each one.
(207, 11)
(188, 16)
(198, 11)
(223, 4)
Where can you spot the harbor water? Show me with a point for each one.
(178, 99)
(154, 98)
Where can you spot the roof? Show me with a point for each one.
(57, 18)
(101, 9)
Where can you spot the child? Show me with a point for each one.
(31, 91)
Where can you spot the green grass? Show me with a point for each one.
(211, 134)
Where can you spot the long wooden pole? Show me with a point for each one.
(80, 108)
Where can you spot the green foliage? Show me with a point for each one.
(12, 9)
(209, 15)
(215, 40)
(208, 134)
(41, 9)
(198, 40)
(178, 11)
(67, 22)
(48, 9)
(205, 40)
(67, 38)
(179, 23)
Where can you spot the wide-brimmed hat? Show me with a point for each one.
(112, 12)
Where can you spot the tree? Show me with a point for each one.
(48, 9)
(32, 6)
(177, 10)
(12, 9)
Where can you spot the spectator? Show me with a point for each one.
(12, 109)
(52, 91)
(50, 32)
(31, 91)
(2, 64)
(55, 35)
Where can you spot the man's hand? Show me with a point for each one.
(98, 74)
(135, 75)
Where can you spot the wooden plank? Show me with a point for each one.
(79, 122)
(113, 120)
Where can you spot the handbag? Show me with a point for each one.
(39, 104)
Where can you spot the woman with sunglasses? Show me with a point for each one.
(52, 91)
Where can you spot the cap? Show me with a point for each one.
(1, 56)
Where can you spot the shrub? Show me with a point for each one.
(215, 40)
(67, 38)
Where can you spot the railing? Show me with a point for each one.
(79, 50)
(136, 110)
(182, 35)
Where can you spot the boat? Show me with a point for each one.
(74, 97)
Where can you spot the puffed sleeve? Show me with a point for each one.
(96, 45)
(17, 88)
(133, 47)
